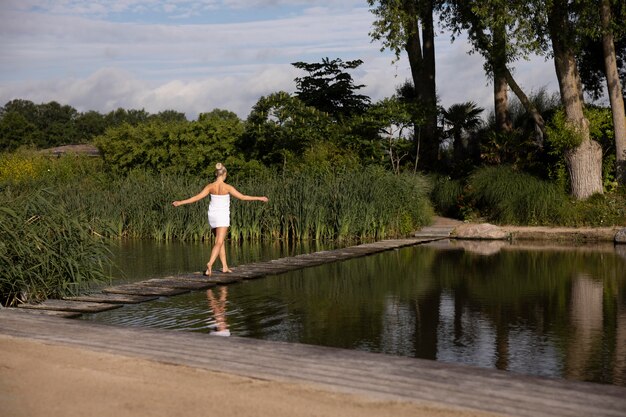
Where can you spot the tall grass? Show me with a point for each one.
(447, 196)
(352, 203)
(511, 197)
(46, 250)
(364, 204)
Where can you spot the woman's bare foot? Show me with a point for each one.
(208, 271)
(227, 270)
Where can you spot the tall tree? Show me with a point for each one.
(494, 32)
(614, 88)
(602, 62)
(330, 88)
(408, 25)
(584, 161)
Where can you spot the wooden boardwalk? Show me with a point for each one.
(116, 296)
(377, 376)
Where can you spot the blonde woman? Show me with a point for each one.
(219, 212)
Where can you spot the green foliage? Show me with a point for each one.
(447, 196)
(330, 89)
(46, 249)
(280, 128)
(599, 210)
(561, 134)
(178, 147)
(24, 123)
(510, 197)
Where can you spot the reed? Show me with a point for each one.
(47, 249)
(355, 204)
(511, 197)
(447, 196)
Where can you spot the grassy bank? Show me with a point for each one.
(504, 195)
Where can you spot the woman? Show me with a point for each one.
(218, 307)
(219, 212)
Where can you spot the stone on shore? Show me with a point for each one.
(620, 236)
(484, 231)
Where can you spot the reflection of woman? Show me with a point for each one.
(218, 307)
(219, 212)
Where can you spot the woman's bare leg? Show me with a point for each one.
(223, 259)
(220, 236)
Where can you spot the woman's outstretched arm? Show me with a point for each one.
(232, 191)
(205, 191)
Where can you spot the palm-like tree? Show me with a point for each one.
(459, 119)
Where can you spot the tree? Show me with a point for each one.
(584, 161)
(169, 116)
(180, 147)
(15, 131)
(89, 125)
(407, 25)
(330, 89)
(614, 88)
(280, 127)
(497, 31)
(552, 27)
(461, 118)
(392, 119)
(601, 62)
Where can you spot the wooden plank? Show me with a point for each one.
(137, 289)
(75, 306)
(189, 284)
(112, 298)
(53, 313)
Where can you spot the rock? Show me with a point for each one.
(480, 231)
(620, 236)
(481, 247)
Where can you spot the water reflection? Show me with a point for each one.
(557, 312)
(218, 308)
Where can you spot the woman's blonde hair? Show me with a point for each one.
(220, 169)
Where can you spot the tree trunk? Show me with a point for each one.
(421, 53)
(500, 85)
(615, 91)
(584, 163)
(540, 124)
(581, 164)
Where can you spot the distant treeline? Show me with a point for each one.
(45, 125)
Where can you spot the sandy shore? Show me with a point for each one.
(38, 379)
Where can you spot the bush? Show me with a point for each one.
(510, 197)
(46, 250)
(447, 196)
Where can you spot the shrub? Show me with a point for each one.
(447, 196)
(507, 196)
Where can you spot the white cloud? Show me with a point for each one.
(95, 64)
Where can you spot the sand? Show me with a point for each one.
(44, 379)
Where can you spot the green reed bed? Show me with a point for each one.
(512, 197)
(44, 252)
(363, 204)
(366, 204)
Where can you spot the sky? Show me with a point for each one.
(195, 56)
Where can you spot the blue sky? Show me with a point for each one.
(194, 56)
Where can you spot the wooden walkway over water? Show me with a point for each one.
(116, 296)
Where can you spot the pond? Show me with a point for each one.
(531, 309)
